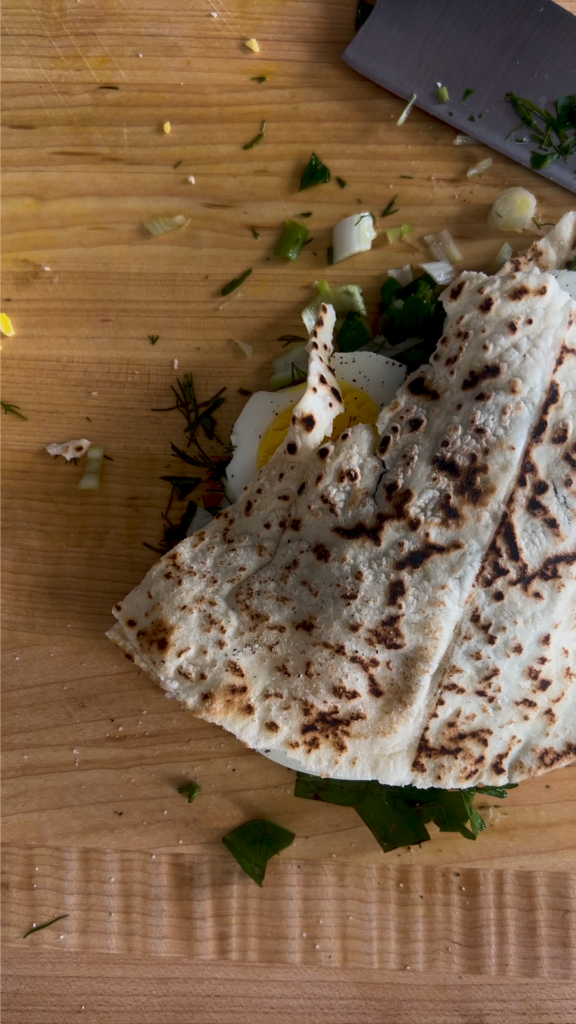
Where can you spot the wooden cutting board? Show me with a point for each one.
(93, 752)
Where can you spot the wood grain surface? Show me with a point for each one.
(93, 752)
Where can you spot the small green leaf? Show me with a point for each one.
(153, 338)
(315, 173)
(191, 790)
(566, 111)
(235, 282)
(467, 94)
(541, 160)
(254, 842)
(341, 182)
(353, 333)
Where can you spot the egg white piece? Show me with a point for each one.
(370, 372)
(251, 426)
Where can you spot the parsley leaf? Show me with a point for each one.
(191, 790)
(254, 842)
(315, 173)
(153, 338)
(398, 815)
(412, 311)
(353, 333)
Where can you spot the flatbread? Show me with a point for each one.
(402, 612)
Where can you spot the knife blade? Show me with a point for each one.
(492, 47)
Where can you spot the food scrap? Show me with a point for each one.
(253, 45)
(70, 449)
(6, 325)
(255, 842)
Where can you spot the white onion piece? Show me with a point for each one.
(70, 449)
(512, 210)
(352, 235)
(434, 246)
(449, 247)
(442, 272)
(477, 169)
(91, 479)
(403, 275)
(501, 257)
(247, 349)
(163, 224)
(466, 140)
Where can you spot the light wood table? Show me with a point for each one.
(163, 926)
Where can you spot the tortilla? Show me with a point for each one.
(402, 612)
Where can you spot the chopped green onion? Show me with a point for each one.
(309, 214)
(465, 140)
(512, 210)
(91, 479)
(344, 297)
(257, 138)
(259, 79)
(191, 790)
(315, 173)
(293, 237)
(235, 282)
(394, 234)
(177, 164)
(502, 257)
(443, 94)
(467, 94)
(477, 169)
(39, 927)
(255, 233)
(245, 347)
(353, 235)
(410, 177)
(341, 182)
(161, 225)
(444, 247)
(390, 209)
(404, 115)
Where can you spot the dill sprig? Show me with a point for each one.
(549, 148)
(14, 409)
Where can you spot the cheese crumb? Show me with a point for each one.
(167, 127)
(252, 44)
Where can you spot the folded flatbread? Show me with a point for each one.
(404, 610)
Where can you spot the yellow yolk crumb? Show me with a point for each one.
(358, 408)
(6, 325)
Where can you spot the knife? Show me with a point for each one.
(493, 47)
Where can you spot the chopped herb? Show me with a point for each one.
(244, 391)
(255, 233)
(363, 12)
(291, 241)
(108, 86)
(259, 79)
(363, 217)
(89, 420)
(443, 94)
(394, 234)
(471, 118)
(409, 176)
(404, 115)
(353, 333)
(235, 282)
(330, 256)
(153, 338)
(308, 214)
(39, 927)
(257, 138)
(560, 125)
(467, 94)
(397, 815)
(545, 224)
(183, 485)
(341, 182)
(408, 313)
(191, 790)
(119, 813)
(315, 173)
(14, 409)
(254, 842)
(198, 415)
(390, 209)
(177, 164)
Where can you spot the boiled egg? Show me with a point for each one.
(367, 381)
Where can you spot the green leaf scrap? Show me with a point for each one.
(183, 485)
(354, 333)
(14, 409)
(235, 282)
(315, 173)
(39, 927)
(257, 138)
(254, 842)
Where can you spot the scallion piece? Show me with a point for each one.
(465, 140)
(161, 225)
(443, 94)
(257, 138)
(479, 168)
(91, 479)
(467, 94)
(501, 257)
(293, 237)
(315, 173)
(352, 235)
(390, 209)
(442, 272)
(406, 111)
(235, 282)
(395, 234)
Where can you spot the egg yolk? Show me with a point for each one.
(358, 408)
